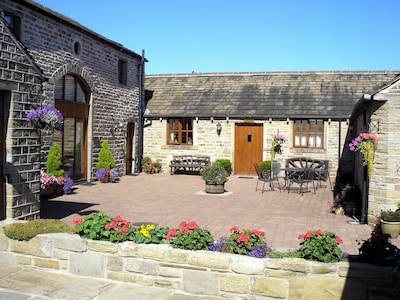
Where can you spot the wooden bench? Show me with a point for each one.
(320, 167)
(189, 163)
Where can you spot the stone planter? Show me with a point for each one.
(392, 228)
(213, 188)
(105, 179)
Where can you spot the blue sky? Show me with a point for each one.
(247, 36)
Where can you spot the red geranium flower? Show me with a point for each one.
(243, 238)
(257, 232)
(320, 232)
(234, 229)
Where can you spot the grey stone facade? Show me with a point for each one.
(59, 46)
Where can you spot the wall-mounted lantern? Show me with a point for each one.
(219, 128)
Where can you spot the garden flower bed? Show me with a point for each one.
(201, 272)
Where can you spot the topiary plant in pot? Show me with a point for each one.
(106, 160)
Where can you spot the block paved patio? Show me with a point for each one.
(166, 200)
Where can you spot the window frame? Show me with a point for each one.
(123, 71)
(14, 22)
(180, 132)
(318, 131)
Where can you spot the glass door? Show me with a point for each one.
(74, 148)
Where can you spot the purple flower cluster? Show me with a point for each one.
(259, 251)
(46, 119)
(218, 245)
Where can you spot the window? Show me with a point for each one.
(180, 132)
(122, 71)
(308, 133)
(14, 22)
(69, 89)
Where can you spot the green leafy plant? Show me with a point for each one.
(390, 215)
(189, 237)
(265, 166)
(106, 159)
(24, 231)
(214, 174)
(150, 234)
(321, 246)
(149, 166)
(248, 242)
(226, 163)
(98, 226)
(54, 161)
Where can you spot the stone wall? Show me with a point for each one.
(207, 142)
(202, 273)
(20, 83)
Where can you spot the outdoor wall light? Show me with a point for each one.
(219, 128)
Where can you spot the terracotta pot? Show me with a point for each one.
(213, 188)
(105, 179)
(392, 228)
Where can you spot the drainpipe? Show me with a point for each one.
(365, 183)
(142, 107)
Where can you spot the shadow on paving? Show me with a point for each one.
(54, 209)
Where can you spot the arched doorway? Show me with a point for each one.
(72, 98)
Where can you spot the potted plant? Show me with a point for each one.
(226, 163)
(55, 171)
(266, 166)
(215, 177)
(390, 222)
(351, 198)
(106, 162)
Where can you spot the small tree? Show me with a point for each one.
(54, 161)
(106, 159)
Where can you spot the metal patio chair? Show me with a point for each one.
(266, 177)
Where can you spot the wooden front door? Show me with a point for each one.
(248, 147)
(2, 140)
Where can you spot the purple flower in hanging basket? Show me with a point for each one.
(46, 120)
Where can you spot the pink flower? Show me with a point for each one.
(243, 238)
(320, 232)
(192, 225)
(338, 240)
(77, 221)
(171, 233)
(258, 233)
(234, 229)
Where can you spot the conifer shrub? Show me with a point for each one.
(54, 161)
(106, 159)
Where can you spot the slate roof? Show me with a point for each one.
(277, 95)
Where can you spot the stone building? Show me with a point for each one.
(378, 112)
(313, 110)
(97, 84)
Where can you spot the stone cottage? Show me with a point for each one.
(97, 84)
(378, 112)
(313, 110)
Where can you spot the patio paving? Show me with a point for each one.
(166, 200)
